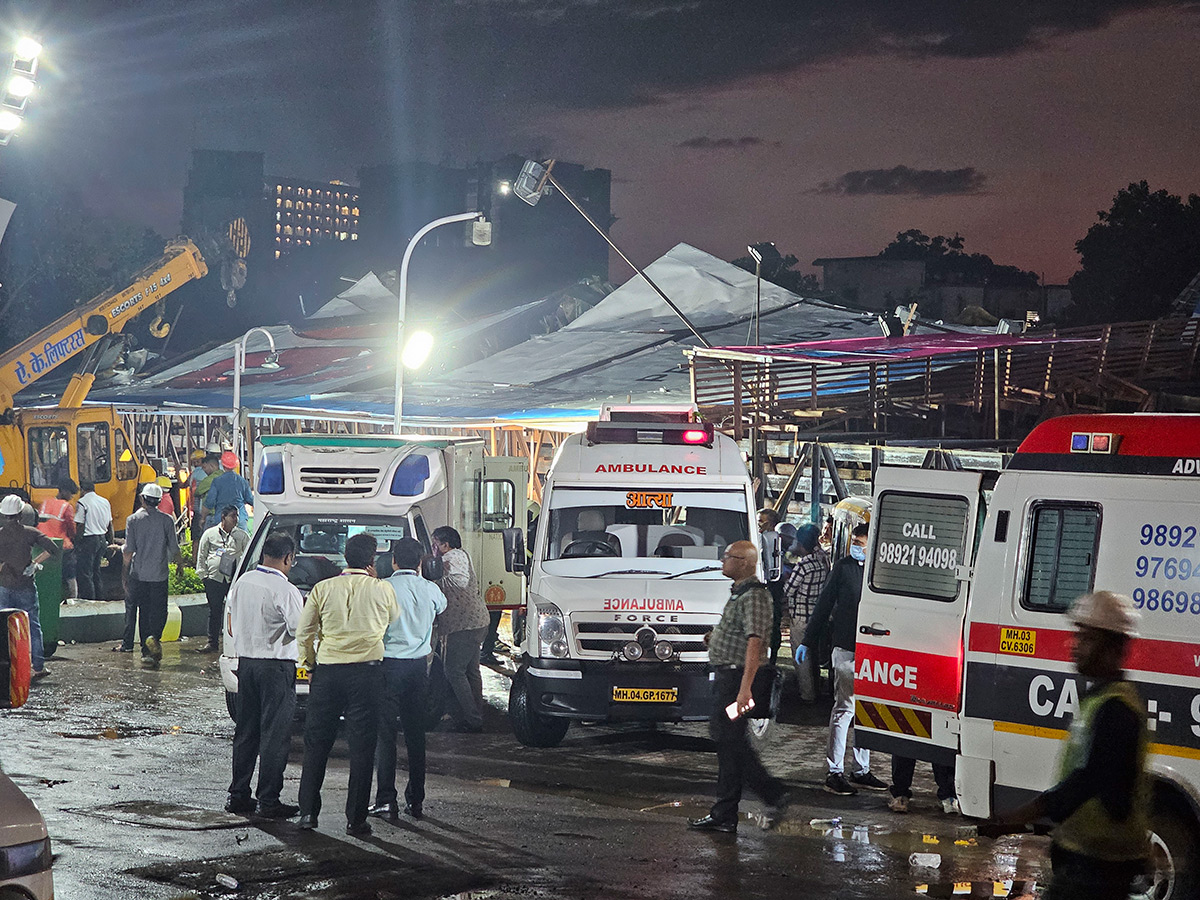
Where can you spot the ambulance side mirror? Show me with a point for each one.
(772, 555)
(514, 550)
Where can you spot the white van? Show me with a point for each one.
(323, 489)
(626, 577)
(964, 646)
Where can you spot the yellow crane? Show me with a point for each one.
(42, 445)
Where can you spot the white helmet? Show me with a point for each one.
(152, 491)
(1106, 611)
(11, 505)
(213, 449)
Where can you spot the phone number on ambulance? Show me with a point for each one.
(1167, 566)
(1155, 600)
(914, 555)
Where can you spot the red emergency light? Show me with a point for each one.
(696, 436)
(651, 433)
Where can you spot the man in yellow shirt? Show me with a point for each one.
(348, 616)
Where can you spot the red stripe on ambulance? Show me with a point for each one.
(1145, 654)
(906, 676)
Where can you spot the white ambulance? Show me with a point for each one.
(626, 577)
(324, 489)
(964, 647)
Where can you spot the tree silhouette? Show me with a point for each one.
(947, 263)
(780, 270)
(1137, 258)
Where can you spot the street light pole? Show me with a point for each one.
(757, 291)
(397, 409)
(239, 365)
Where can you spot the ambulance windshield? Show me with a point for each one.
(666, 532)
(321, 540)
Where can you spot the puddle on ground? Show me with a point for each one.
(1010, 890)
(152, 814)
(118, 732)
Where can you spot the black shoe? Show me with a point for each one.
(306, 823)
(414, 811)
(358, 829)
(120, 649)
(208, 648)
(240, 807)
(868, 782)
(708, 823)
(389, 811)
(489, 659)
(277, 810)
(836, 783)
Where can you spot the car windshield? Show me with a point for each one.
(642, 532)
(321, 540)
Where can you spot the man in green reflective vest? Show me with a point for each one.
(1101, 802)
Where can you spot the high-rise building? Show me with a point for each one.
(308, 212)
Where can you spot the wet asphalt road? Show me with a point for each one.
(130, 767)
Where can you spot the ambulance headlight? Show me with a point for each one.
(633, 651)
(558, 649)
(552, 629)
(663, 650)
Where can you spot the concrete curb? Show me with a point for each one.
(96, 621)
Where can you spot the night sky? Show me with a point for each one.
(824, 126)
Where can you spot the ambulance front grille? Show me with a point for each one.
(339, 481)
(609, 637)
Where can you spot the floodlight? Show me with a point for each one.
(271, 362)
(505, 187)
(27, 49)
(417, 349)
(9, 121)
(531, 183)
(19, 86)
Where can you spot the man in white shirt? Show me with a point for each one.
(264, 612)
(406, 648)
(221, 549)
(93, 527)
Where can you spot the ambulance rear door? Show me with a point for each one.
(908, 661)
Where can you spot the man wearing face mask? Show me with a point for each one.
(837, 611)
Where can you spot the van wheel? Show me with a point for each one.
(531, 728)
(1174, 853)
(231, 704)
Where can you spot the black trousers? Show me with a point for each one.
(1078, 877)
(350, 691)
(778, 605)
(493, 632)
(404, 689)
(215, 592)
(89, 551)
(738, 765)
(147, 600)
(266, 703)
(902, 777)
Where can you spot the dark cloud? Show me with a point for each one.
(901, 180)
(725, 143)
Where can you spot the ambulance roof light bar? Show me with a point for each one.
(669, 433)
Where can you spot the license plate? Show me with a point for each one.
(301, 673)
(645, 695)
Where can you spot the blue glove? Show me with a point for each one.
(801, 654)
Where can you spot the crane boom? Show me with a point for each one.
(106, 313)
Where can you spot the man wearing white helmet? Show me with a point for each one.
(1100, 805)
(150, 546)
(18, 565)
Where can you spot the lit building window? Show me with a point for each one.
(279, 188)
(277, 216)
(287, 204)
(309, 192)
(354, 212)
(342, 236)
(277, 254)
(278, 202)
(354, 237)
(308, 243)
(277, 229)
(287, 229)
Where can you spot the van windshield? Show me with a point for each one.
(321, 540)
(640, 531)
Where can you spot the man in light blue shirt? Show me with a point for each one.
(406, 646)
(228, 489)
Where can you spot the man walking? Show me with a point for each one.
(94, 532)
(406, 648)
(801, 591)
(56, 519)
(228, 489)
(150, 546)
(464, 623)
(18, 566)
(221, 549)
(736, 649)
(350, 615)
(265, 611)
(837, 612)
(1102, 798)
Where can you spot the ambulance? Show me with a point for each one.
(625, 577)
(964, 646)
(324, 489)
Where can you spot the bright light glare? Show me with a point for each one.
(19, 86)
(27, 48)
(417, 349)
(695, 436)
(505, 187)
(9, 121)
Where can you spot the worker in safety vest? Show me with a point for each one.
(56, 519)
(1100, 804)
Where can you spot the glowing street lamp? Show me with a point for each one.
(18, 86)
